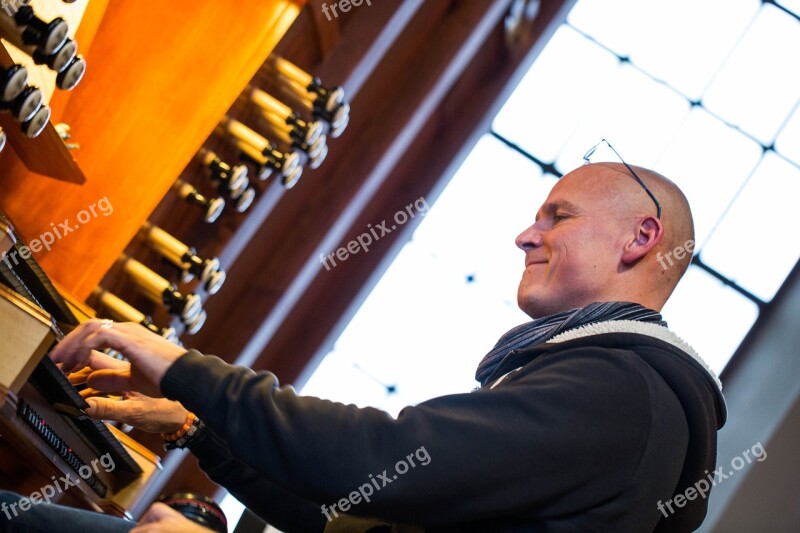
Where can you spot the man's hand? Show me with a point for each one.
(150, 355)
(107, 375)
(154, 415)
(162, 519)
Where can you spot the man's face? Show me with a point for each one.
(573, 250)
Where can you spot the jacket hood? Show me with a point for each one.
(694, 384)
(607, 334)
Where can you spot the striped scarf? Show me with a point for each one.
(542, 329)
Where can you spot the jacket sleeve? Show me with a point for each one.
(276, 506)
(575, 426)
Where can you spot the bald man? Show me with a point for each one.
(592, 417)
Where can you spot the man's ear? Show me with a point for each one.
(649, 233)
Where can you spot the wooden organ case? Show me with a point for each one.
(160, 79)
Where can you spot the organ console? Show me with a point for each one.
(122, 311)
(285, 163)
(316, 153)
(33, 126)
(266, 165)
(25, 105)
(24, 29)
(303, 82)
(230, 178)
(196, 323)
(47, 43)
(250, 155)
(71, 74)
(288, 128)
(44, 433)
(184, 257)
(23, 102)
(13, 81)
(244, 200)
(187, 307)
(231, 181)
(308, 92)
(282, 119)
(58, 60)
(213, 206)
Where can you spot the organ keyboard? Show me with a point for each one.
(46, 440)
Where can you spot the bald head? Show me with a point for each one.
(676, 215)
(597, 238)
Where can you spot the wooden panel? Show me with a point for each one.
(160, 76)
(84, 36)
(25, 344)
(45, 154)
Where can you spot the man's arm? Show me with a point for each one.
(275, 505)
(574, 425)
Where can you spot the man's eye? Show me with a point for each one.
(559, 217)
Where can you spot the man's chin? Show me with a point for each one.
(532, 308)
(539, 307)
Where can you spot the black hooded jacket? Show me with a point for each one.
(590, 431)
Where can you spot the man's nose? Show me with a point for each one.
(529, 239)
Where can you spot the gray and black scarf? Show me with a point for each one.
(542, 329)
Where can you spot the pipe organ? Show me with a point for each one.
(164, 140)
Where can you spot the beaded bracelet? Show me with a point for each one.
(183, 440)
(181, 432)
